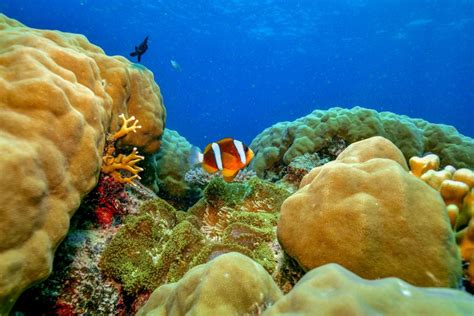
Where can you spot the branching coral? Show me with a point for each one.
(115, 165)
(457, 189)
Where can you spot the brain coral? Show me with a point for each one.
(231, 284)
(278, 145)
(59, 97)
(365, 212)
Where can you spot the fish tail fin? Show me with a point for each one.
(195, 156)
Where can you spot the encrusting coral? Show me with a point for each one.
(59, 98)
(456, 187)
(232, 284)
(365, 212)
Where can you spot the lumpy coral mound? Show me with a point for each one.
(232, 284)
(365, 212)
(59, 97)
(278, 145)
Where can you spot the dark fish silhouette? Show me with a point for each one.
(140, 49)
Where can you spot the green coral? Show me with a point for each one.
(166, 169)
(160, 244)
(149, 250)
(278, 145)
(220, 193)
(129, 256)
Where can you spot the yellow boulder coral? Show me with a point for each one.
(368, 214)
(59, 98)
(231, 284)
(332, 290)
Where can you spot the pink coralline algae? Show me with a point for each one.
(109, 195)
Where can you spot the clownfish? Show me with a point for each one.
(227, 155)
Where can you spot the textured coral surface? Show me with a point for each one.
(59, 97)
(232, 284)
(280, 144)
(365, 212)
(159, 244)
(331, 290)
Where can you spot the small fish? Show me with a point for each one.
(140, 49)
(227, 155)
(175, 65)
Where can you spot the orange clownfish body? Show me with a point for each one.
(227, 155)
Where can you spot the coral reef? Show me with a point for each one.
(77, 286)
(333, 290)
(166, 170)
(159, 244)
(66, 95)
(456, 187)
(198, 177)
(232, 284)
(365, 212)
(278, 145)
(116, 165)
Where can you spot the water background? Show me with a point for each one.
(247, 64)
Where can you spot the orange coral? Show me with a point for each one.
(420, 165)
(456, 188)
(113, 165)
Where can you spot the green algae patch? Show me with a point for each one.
(130, 257)
(151, 248)
(220, 193)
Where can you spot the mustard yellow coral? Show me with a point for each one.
(365, 212)
(59, 98)
(456, 188)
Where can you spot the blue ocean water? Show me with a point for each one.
(245, 65)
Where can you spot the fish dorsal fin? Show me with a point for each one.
(225, 140)
(208, 147)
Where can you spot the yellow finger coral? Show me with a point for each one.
(420, 165)
(456, 189)
(453, 192)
